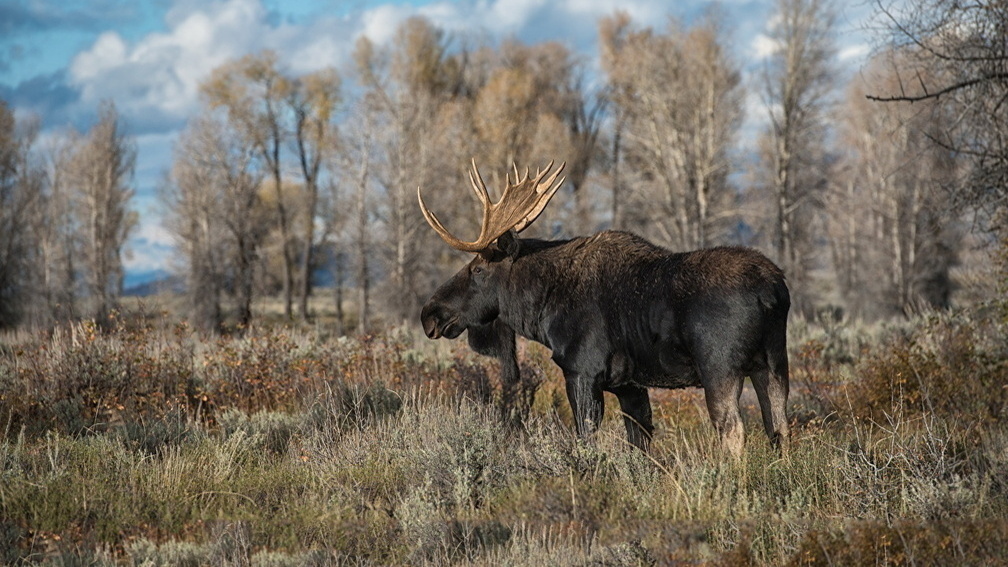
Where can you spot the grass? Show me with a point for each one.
(151, 445)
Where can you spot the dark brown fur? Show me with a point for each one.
(622, 315)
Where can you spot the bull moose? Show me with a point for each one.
(619, 314)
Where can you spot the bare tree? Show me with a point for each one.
(893, 237)
(583, 114)
(508, 107)
(406, 87)
(59, 236)
(190, 195)
(426, 109)
(313, 100)
(216, 213)
(253, 90)
(21, 202)
(614, 33)
(355, 158)
(101, 173)
(362, 240)
(798, 79)
(334, 240)
(678, 104)
(535, 107)
(955, 53)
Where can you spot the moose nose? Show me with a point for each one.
(429, 322)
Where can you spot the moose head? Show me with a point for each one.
(470, 298)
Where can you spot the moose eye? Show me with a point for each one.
(477, 270)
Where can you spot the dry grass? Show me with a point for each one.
(154, 446)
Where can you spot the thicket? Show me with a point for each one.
(154, 445)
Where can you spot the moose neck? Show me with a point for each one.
(535, 284)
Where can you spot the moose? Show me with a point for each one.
(619, 314)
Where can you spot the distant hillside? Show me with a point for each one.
(152, 282)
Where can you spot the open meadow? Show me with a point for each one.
(152, 445)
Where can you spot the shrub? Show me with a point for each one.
(78, 380)
(284, 448)
(273, 430)
(952, 366)
(869, 542)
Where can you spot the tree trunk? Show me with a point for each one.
(307, 259)
(288, 260)
(617, 189)
(363, 273)
(338, 280)
(310, 167)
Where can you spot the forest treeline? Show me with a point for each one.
(869, 194)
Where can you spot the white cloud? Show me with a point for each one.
(510, 15)
(571, 21)
(161, 72)
(380, 24)
(755, 120)
(149, 248)
(646, 13)
(764, 46)
(157, 78)
(108, 51)
(853, 52)
(154, 233)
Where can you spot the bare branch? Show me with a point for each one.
(939, 93)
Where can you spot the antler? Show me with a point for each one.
(519, 205)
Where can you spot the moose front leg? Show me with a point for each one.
(587, 405)
(636, 408)
(496, 339)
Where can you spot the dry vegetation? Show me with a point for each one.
(152, 445)
(148, 442)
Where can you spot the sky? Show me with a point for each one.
(60, 58)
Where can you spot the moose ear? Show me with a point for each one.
(509, 244)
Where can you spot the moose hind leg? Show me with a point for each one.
(587, 404)
(722, 396)
(636, 407)
(771, 387)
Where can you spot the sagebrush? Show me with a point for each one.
(153, 445)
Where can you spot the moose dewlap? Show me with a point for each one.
(619, 314)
